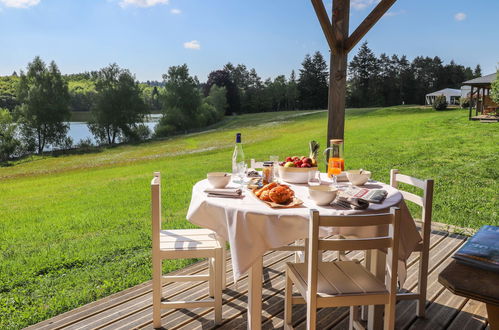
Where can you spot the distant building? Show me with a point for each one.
(451, 96)
(479, 95)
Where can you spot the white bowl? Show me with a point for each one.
(218, 179)
(295, 174)
(322, 195)
(358, 178)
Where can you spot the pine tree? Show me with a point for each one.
(313, 82)
(478, 71)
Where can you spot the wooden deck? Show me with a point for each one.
(131, 309)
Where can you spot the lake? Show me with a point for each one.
(79, 130)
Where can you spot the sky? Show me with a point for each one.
(272, 36)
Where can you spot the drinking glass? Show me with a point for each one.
(241, 171)
(335, 171)
(275, 160)
(314, 178)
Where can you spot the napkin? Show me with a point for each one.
(351, 202)
(224, 192)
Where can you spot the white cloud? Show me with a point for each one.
(19, 3)
(460, 16)
(194, 44)
(362, 4)
(176, 11)
(143, 3)
(395, 13)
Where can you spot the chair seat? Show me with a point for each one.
(339, 278)
(188, 240)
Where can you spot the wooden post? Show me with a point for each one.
(471, 102)
(338, 71)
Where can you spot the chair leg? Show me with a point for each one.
(390, 315)
(288, 303)
(311, 317)
(422, 284)
(156, 292)
(213, 275)
(354, 317)
(224, 266)
(218, 286)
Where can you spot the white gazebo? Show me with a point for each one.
(451, 96)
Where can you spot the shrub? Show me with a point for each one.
(440, 103)
(137, 133)
(464, 102)
(85, 143)
(494, 91)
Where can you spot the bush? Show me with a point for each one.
(464, 102)
(137, 133)
(85, 144)
(440, 103)
(494, 90)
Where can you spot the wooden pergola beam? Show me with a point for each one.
(326, 26)
(368, 23)
(338, 71)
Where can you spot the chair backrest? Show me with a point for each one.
(254, 164)
(424, 202)
(388, 238)
(156, 208)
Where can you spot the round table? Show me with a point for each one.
(252, 228)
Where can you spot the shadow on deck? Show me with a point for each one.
(132, 309)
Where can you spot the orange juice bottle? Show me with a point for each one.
(334, 156)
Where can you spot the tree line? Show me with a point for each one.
(393, 80)
(36, 105)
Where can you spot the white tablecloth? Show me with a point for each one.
(252, 228)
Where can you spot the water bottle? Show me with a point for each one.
(238, 164)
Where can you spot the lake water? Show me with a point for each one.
(79, 130)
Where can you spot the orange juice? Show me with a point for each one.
(335, 166)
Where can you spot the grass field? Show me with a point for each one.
(76, 228)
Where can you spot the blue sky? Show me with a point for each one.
(273, 36)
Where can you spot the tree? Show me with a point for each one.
(82, 94)
(313, 82)
(218, 99)
(494, 89)
(364, 77)
(478, 71)
(119, 109)
(44, 110)
(8, 92)
(9, 144)
(222, 78)
(291, 92)
(181, 100)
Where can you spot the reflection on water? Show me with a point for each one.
(79, 131)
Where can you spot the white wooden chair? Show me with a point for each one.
(423, 248)
(344, 283)
(183, 244)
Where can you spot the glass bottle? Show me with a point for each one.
(238, 164)
(334, 158)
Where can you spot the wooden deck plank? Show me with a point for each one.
(131, 308)
(472, 316)
(406, 309)
(144, 320)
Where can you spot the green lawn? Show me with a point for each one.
(76, 228)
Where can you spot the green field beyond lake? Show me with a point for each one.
(76, 228)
